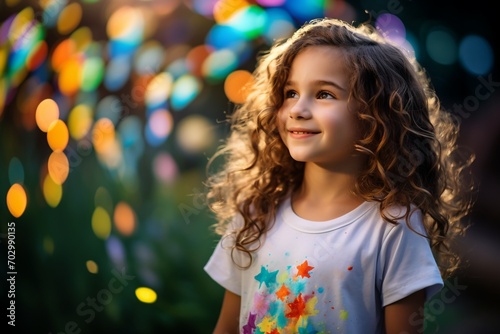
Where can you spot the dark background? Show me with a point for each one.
(172, 239)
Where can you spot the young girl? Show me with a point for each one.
(338, 197)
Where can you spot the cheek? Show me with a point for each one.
(281, 124)
(281, 121)
(342, 126)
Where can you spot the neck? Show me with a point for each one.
(324, 185)
(325, 194)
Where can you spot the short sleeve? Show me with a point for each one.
(406, 262)
(221, 268)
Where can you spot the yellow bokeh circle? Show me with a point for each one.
(69, 18)
(92, 267)
(101, 223)
(16, 200)
(52, 192)
(145, 295)
(58, 135)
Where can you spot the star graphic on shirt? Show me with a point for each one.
(282, 292)
(267, 325)
(303, 269)
(266, 277)
(250, 326)
(296, 307)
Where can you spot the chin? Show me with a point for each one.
(300, 157)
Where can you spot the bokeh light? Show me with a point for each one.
(24, 33)
(225, 37)
(62, 53)
(70, 76)
(250, 21)
(159, 126)
(149, 58)
(47, 112)
(82, 41)
(391, 27)
(196, 57)
(36, 56)
(158, 90)
(92, 267)
(279, 25)
(92, 74)
(125, 23)
(476, 54)
(132, 140)
(101, 223)
(17, 200)
(165, 168)
(124, 218)
(117, 72)
(52, 191)
(161, 123)
(69, 18)
(146, 295)
(103, 135)
(219, 64)
(225, 10)
(442, 46)
(184, 91)
(51, 11)
(195, 133)
(58, 166)
(58, 135)
(80, 121)
(116, 251)
(237, 84)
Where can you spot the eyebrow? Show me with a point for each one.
(321, 83)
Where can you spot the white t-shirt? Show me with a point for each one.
(328, 277)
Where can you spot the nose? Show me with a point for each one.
(301, 109)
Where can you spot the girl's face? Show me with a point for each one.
(316, 122)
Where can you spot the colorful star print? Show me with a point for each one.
(296, 307)
(303, 269)
(250, 326)
(266, 277)
(282, 292)
(284, 302)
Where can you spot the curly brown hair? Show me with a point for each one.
(410, 142)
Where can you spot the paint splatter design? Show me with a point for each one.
(284, 303)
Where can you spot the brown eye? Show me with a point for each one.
(290, 94)
(325, 95)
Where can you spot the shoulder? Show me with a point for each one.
(395, 217)
(235, 225)
(406, 261)
(408, 218)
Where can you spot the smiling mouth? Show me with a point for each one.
(303, 132)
